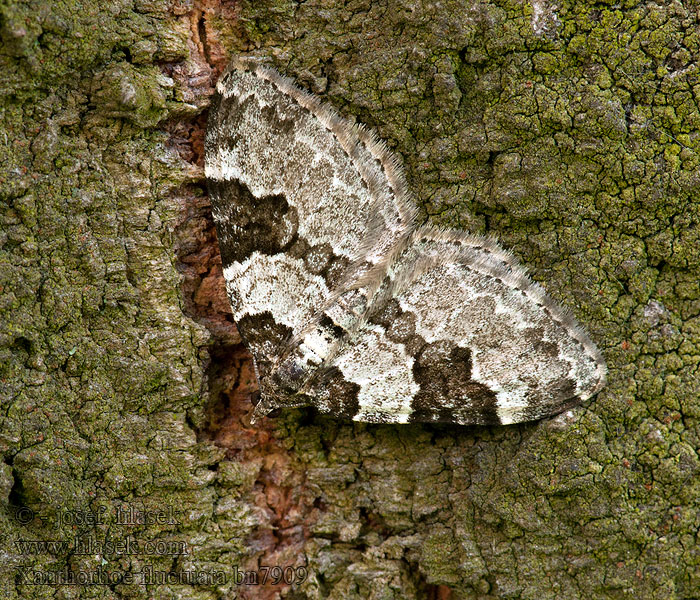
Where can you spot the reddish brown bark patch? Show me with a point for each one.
(278, 495)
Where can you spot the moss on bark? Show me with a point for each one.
(568, 130)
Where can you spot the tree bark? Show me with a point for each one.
(567, 130)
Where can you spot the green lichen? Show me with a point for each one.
(101, 372)
(570, 133)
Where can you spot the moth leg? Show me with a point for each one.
(263, 406)
(266, 405)
(262, 409)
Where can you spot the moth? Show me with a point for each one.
(345, 302)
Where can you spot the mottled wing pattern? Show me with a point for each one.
(299, 196)
(349, 307)
(459, 334)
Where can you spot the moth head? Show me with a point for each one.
(289, 377)
(279, 391)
